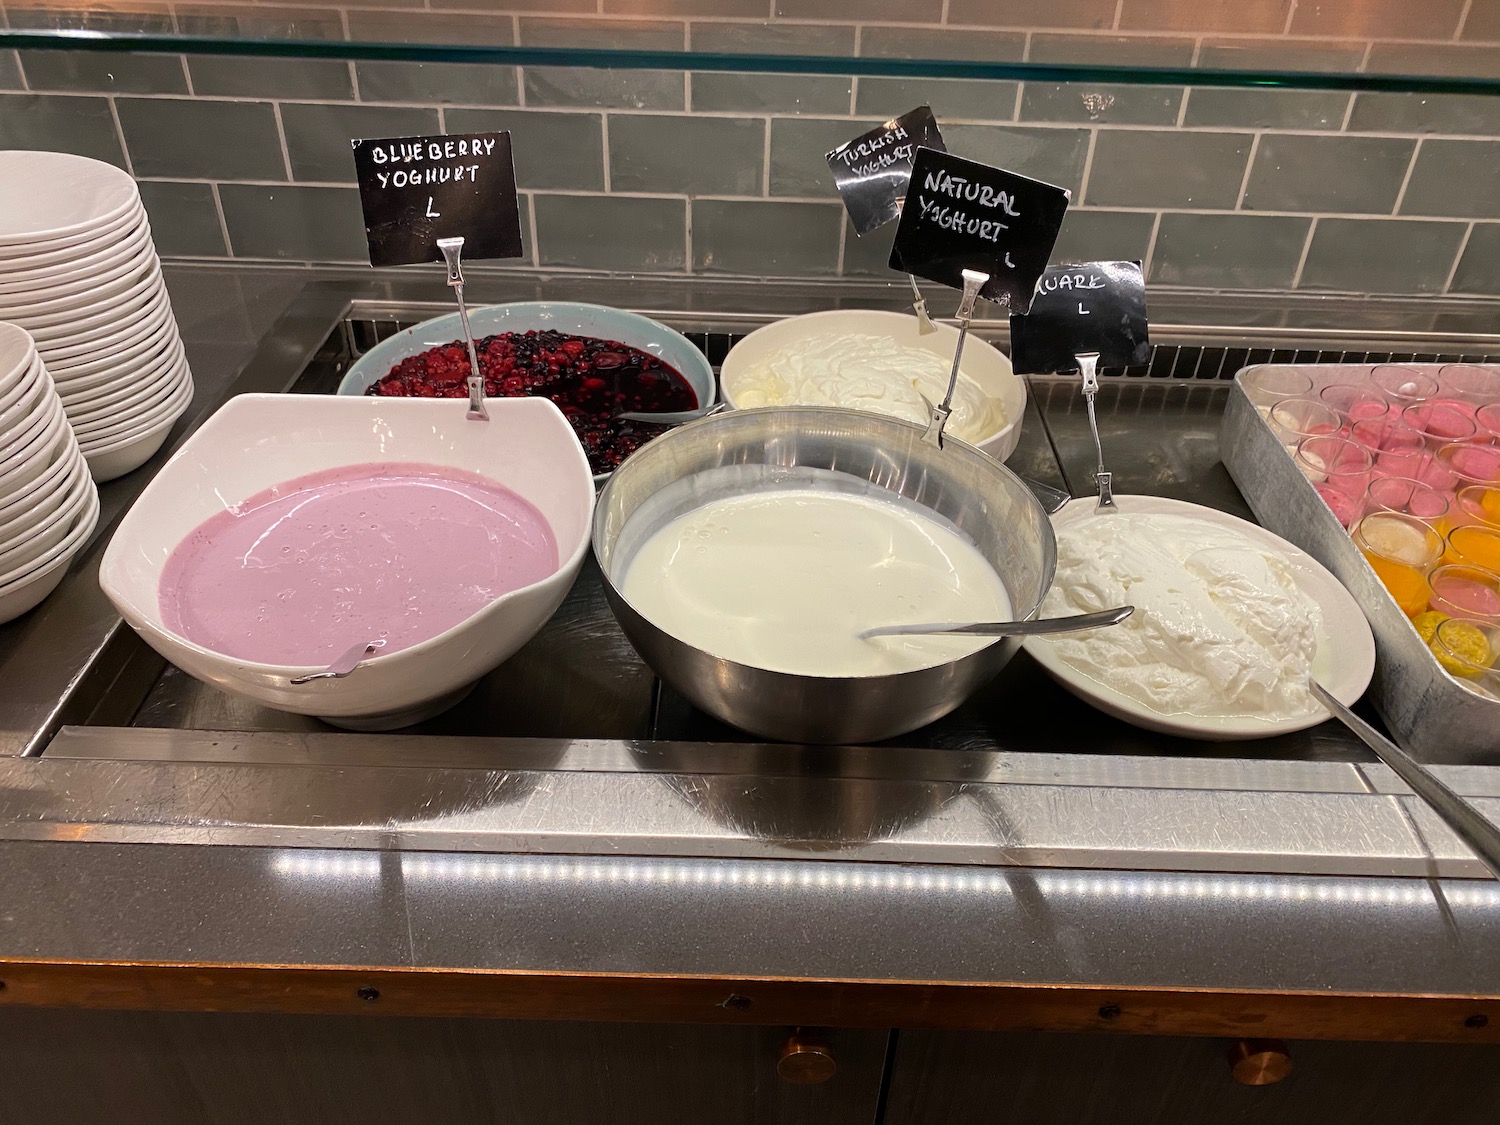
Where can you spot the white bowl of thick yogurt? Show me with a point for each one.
(867, 359)
(292, 528)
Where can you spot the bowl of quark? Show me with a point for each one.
(468, 536)
(866, 359)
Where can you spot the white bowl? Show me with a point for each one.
(152, 384)
(111, 364)
(106, 341)
(48, 195)
(256, 441)
(106, 462)
(57, 279)
(89, 286)
(983, 363)
(17, 351)
(161, 353)
(112, 428)
(22, 402)
(50, 251)
(50, 529)
(27, 456)
(33, 499)
(50, 324)
(23, 588)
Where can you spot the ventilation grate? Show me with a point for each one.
(1168, 361)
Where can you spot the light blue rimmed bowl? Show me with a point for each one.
(641, 332)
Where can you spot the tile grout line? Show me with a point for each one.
(1348, 112)
(1015, 110)
(1239, 202)
(536, 250)
(1088, 166)
(1151, 246)
(843, 245)
(1411, 166)
(1187, 92)
(765, 163)
(187, 75)
(1463, 246)
(1463, 18)
(604, 149)
(687, 235)
(286, 155)
(1119, 11)
(1312, 228)
(223, 222)
(442, 121)
(114, 114)
(354, 81)
(1291, 14)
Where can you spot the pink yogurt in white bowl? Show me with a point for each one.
(290, 526)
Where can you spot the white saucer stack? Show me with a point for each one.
(79, 272)
(48, 503)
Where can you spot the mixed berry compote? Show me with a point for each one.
(592, 381)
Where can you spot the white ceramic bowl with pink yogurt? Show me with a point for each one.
(257, 441)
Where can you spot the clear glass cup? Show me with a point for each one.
(1409, 498)
(1469, 592)
(1468, 463)
(1403, 385)
(1487, 418)
(1474, 544)
(1394, 445)
(1339, 471)
(1439, 422)
(1266, 386)
(1296, 418)
(1476, 503)
(1400, 549)
(1354, 401)
(1469, 382)
(1468, 651)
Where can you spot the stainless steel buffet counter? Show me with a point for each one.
(574, 818)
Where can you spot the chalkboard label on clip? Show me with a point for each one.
(1088, 307)
(416, 190)
(960, 214)
(873, 169)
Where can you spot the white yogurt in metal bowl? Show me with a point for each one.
(786, 580)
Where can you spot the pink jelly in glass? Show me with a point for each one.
(1440, 422)
(1488, 420)
(300, 573)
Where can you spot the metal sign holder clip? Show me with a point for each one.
(973, 282)
(1088, 366)
(453, 249)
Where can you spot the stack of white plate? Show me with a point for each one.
(48, 504)
(79, 272)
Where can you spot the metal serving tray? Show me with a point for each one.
(1429, 712)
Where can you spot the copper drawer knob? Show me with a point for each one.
(1259, 1062)
(805, 1061)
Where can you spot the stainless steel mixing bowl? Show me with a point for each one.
(820, 447)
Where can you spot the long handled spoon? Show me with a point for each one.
(1472, 827)
(1037, 628)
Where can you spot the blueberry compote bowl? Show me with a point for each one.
(594, 362)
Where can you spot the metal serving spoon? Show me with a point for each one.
(1471, 826)
(343, 665)
(671, 417)
(1037, 628)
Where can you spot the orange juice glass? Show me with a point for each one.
(1475, 544)
(1400, 549)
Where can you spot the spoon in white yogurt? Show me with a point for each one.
(1038, 628)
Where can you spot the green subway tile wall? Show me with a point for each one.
(722, 172)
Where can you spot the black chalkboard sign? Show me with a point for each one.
(1088, 307)
(416, 190)
(873, 169)
(960, 214)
